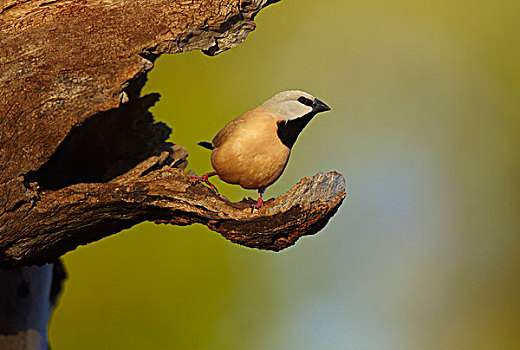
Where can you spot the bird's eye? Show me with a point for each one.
(305, 101)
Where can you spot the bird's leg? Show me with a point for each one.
(260, 201)
(205, 178)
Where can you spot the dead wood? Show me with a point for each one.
(82, 158)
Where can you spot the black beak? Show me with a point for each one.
(319, 106)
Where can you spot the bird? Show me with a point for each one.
(253, 150)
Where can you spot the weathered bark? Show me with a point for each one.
(62, 219)
(82, 158)
(81, 155)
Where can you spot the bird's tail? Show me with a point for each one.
(207, 145)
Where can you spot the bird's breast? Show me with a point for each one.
(253, 157)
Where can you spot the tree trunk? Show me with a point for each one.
(27, 295)
(81, 155)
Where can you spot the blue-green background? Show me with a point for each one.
(425, 251)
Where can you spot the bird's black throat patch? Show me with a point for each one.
(288, 130)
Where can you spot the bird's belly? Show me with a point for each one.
(253, 166)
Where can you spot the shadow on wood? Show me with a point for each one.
(83, 157)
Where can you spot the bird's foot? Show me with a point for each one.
(259, 203)
(204, 178)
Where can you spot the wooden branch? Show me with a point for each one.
(61, 220)
(83, 158)
(63, 62)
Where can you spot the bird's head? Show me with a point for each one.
(294, 104)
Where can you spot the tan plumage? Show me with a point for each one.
(253, 149)
(248, 151)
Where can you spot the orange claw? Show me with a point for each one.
(205, 178)
(260, 202)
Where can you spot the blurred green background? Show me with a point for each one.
(425, 251)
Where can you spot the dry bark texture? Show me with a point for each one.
(81, 157)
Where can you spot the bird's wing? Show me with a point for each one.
(230, 127)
